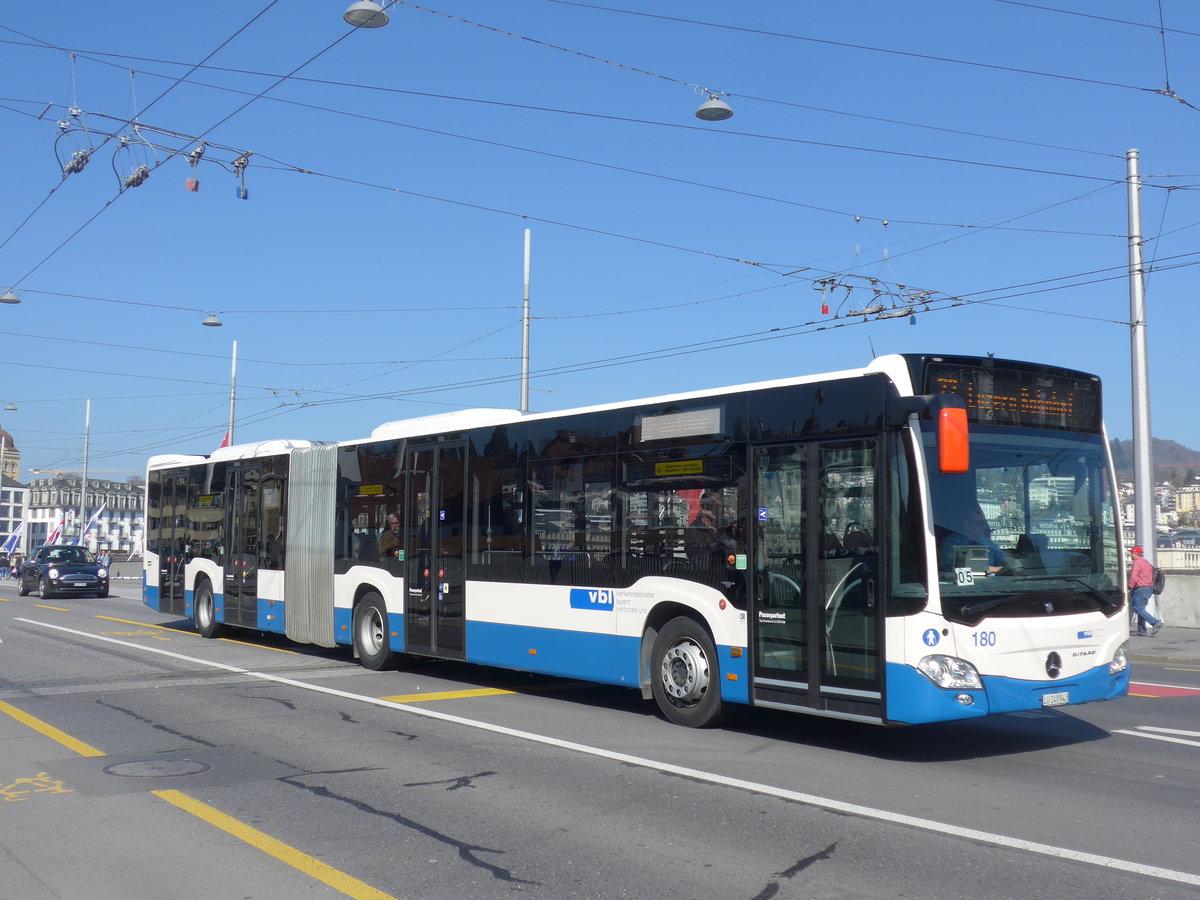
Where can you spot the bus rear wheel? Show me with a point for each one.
(372, 643)
(205, 612)
(686, 676)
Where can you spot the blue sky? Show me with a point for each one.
(971, 149)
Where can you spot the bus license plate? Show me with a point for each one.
(1059, 699)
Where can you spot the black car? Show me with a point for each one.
(55, 570)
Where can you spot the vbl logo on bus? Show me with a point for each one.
(593, 598)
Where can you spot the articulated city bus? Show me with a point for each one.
(928, 538)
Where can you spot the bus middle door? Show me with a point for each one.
(434, 583)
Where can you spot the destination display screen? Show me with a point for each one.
(675, 425)
(1031, 398)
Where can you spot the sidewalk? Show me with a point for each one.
(1174, 644)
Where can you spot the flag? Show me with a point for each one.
(57, 532)
(225, 442)
(10, 545)
(92, 521)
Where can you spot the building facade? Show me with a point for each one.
(13, 495)
(54, 502)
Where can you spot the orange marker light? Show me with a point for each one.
(954, 447)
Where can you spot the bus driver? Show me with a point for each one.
(972, 531)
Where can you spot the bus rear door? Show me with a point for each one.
(243, 534)
(173, 542)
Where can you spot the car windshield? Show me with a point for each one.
(64, 555)
(1029, 530)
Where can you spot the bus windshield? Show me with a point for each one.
(1030, 530)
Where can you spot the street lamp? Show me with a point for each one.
(9, 297)
(714, 109)
(365, 14)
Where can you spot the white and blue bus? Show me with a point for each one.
(928, 538)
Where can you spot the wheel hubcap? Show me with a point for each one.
(685, 671)
(372, 630)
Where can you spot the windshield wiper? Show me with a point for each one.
(1103, 598)
(985, 605)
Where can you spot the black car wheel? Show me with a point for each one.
(46, 593)
(22, 589)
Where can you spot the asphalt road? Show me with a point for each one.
(138, 760)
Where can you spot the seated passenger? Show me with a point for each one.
(972, 531)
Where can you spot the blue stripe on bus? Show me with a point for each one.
(737, 691)
(603, 658)
(150, 595)
(913, 699)
(342, 621)
(271, 615)
(570, 654)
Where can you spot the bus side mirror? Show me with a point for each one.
(948, 412)
(954, 446)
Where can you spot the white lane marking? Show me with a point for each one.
(867, 812)
(1173, 687)
(1163, 736)
(1195, 734)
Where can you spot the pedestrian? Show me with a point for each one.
(1141, 589)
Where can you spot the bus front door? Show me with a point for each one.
(243, 534)
(434, 584)
(815, 552)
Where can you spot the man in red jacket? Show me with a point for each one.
(1141, 589)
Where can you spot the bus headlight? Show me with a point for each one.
(950, 672)
(1120, 660)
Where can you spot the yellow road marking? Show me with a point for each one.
(446, 695)
(50, 731)
(139, 624)
(314, 868)
(193, 634)
(6, 599)
(55, 608)
(261, 646)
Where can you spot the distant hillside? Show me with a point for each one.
(1172, 461)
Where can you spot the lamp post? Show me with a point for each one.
(87, 431)
(525, 334)
(1143, 451)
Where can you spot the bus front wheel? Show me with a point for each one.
(206, 612)
(685, 674)
(372, 644)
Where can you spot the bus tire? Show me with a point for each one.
(685, 675)
(204, 608)
(372, 644)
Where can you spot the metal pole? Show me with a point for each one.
(525, 334)
(1143, 451)
(232, 392)
(87, 431)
